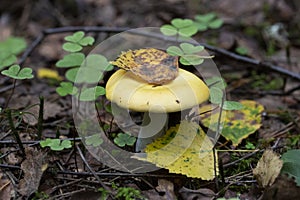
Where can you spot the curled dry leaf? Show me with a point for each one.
(167, 187)
(33, 168)
(200, 194)
(267, 169)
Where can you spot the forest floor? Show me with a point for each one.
(257, 52)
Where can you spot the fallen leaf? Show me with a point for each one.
(50, 110)
(283, 188)
(200, 194)
(6, 188)
(267, 169)
(237, 124)
(48, 73)
(184, 149)
(33, 168)
(167, 187)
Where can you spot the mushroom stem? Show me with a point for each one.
(153, 126)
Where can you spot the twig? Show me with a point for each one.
(217, 50)
(91, 170)
(11, 94)
(33, 142)
(242, 158)
(6, 88)
(64, 185)
(104, 174)
(64, 195)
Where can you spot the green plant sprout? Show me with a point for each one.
(182, 27)
(250, 146)
(187, 53)
(123, 139)
(9, 49)
(186, 28)
(206, 21)
(91, 71)
(16, 72)
(56, 144)
(128, 193)
(94, 140)
(217, 88)
(77, 41)
(241, 50)
(66, 88)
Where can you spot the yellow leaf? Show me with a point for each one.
(48, 73)
(184, 149)
(237, 124)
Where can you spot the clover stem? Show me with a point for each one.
(11, 94)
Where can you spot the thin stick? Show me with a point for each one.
(91, 170)
(41, 118)
(217, 50)
(11, 94)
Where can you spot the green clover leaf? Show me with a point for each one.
(91, 94)
(13, 45)
(123, 139)
(188, 48)
(168, 30)
(175, 51)
(71, 60)
(76, 41)
(71, 74)
(94, 140)
(92, 69)
(215, 95)
(191, 60)
(56, 144)
(7, 59)
(87, 41)
(76, 37)
(71, 47)
(232, 105)
(209, 20)
(216, 81)
(16, 72)
(188, 53)
(182, 27)
(66, 88)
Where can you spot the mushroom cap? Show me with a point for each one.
(128, 91)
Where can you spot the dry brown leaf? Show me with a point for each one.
(267, 169)
(283, 188)
(167, 187)
(50, 110)
(33, 168)
(200, 194)
(6, 188)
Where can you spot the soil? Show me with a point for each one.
(74, 173)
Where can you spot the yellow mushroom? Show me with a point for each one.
(131, 92)
(128, 91)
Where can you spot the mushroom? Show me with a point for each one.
(128, 91)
